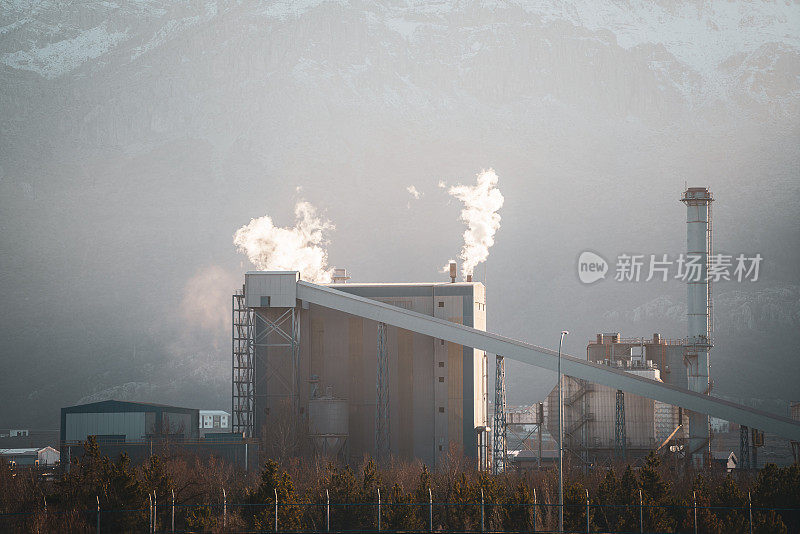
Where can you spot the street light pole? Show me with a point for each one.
(560, 440)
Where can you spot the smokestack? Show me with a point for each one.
(698, 306)
(452, 272)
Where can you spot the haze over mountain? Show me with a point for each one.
(138, 136)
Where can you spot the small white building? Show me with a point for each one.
(32, 456)
(726, 460)
(214, 422)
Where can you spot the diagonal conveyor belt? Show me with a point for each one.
(547, 359)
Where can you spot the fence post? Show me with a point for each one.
(430, 511)
(327, 511)
(587, 511)
(98, 513)
(173, 510)
(750, 511)
(224, 509)
(534, 509)
(482, 510)
(150, 500)
(276, 508)
(694, 498)
(641, 519)
(379, 509)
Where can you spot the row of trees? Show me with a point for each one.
(304, 488)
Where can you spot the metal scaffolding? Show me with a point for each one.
(744, 447)
(521, 426)
(619, 427)
(276, 381)
(242, 385)
(382, 397)
(499, 443)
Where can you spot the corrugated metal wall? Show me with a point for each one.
(426, 377)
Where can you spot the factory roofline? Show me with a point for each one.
(402, 284)
(376, 284)
(120, 405)
(25, 450)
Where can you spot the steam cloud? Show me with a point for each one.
(299, 248)
(446, 268)
(413, 192)
(481, 203)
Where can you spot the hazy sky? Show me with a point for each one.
(137, 138)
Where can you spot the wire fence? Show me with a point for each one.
(478, 516)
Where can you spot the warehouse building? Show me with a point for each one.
(141, 429)
(30, 456)
(114, 421)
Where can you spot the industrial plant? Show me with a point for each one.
(361, 386)
(401, 369)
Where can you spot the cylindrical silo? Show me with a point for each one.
(328, 421)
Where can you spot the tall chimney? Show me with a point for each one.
(698, 310)
(452, 272)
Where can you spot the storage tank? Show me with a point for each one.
(328, 421)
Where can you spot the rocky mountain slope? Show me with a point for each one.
(136, 136)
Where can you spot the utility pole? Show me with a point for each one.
(560, 439)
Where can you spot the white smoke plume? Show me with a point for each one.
(298, 248)
(206, 306)
(481, 203)
(446, 268)
(413, 192)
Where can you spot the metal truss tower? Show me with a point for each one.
(382, 397)
(619, 427)
(499, 443)
(242, 384)
(744, 447)
(276, 340)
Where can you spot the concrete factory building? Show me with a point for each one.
(335, 373)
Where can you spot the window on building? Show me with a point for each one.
(441, 304)
(441, 379)
(441, 364)
(441, 409)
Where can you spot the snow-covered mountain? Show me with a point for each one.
(736, 312)
(136, 136)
